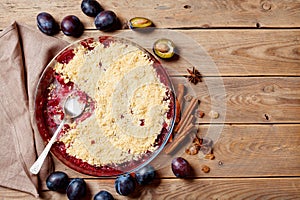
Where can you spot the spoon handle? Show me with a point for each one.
(35, 168)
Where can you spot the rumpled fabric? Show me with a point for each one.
(24, 53)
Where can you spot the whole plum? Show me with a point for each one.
(76, 189)
(72, 26)
(106, 21)
(103, 195)
(145, 175)
(57, 181)
(180, 167)
(47, 24)
(125, 184)
(91, 7)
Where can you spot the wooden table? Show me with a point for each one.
(255, 46)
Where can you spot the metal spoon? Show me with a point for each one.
(72, 109)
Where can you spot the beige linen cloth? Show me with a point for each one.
(24, 52)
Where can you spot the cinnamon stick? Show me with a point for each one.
(188, 121)
(180, 89)
(170, 148)
(178, 111)
(187, 113)
(179, 102)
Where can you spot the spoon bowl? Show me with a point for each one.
(73, 108)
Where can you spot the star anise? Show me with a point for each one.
(194, 76)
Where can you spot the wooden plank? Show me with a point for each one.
(247, 52)
(168, 13)
(240, 151)
(247, 151)
(247, 100)
(217, 188)
(224, 52)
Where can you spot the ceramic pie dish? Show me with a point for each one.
(129, 113)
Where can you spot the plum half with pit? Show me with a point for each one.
(106, 21)
(72, 26)
(47, 24)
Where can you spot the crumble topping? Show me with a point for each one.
(131, 103)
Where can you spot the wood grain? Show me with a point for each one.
(251, 49)
(217, 188)
(223, 52)
(228, 52)
(168, 13)
(250, 52)
(247, 99)
(240, 151)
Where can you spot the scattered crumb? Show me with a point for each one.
(205, 169)
(188, 97)
(193, 150)
(213, 114)
(209, 156)
(205, 149)
(220, 163)
(199, 113)
(206, 141)
(202, 147)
